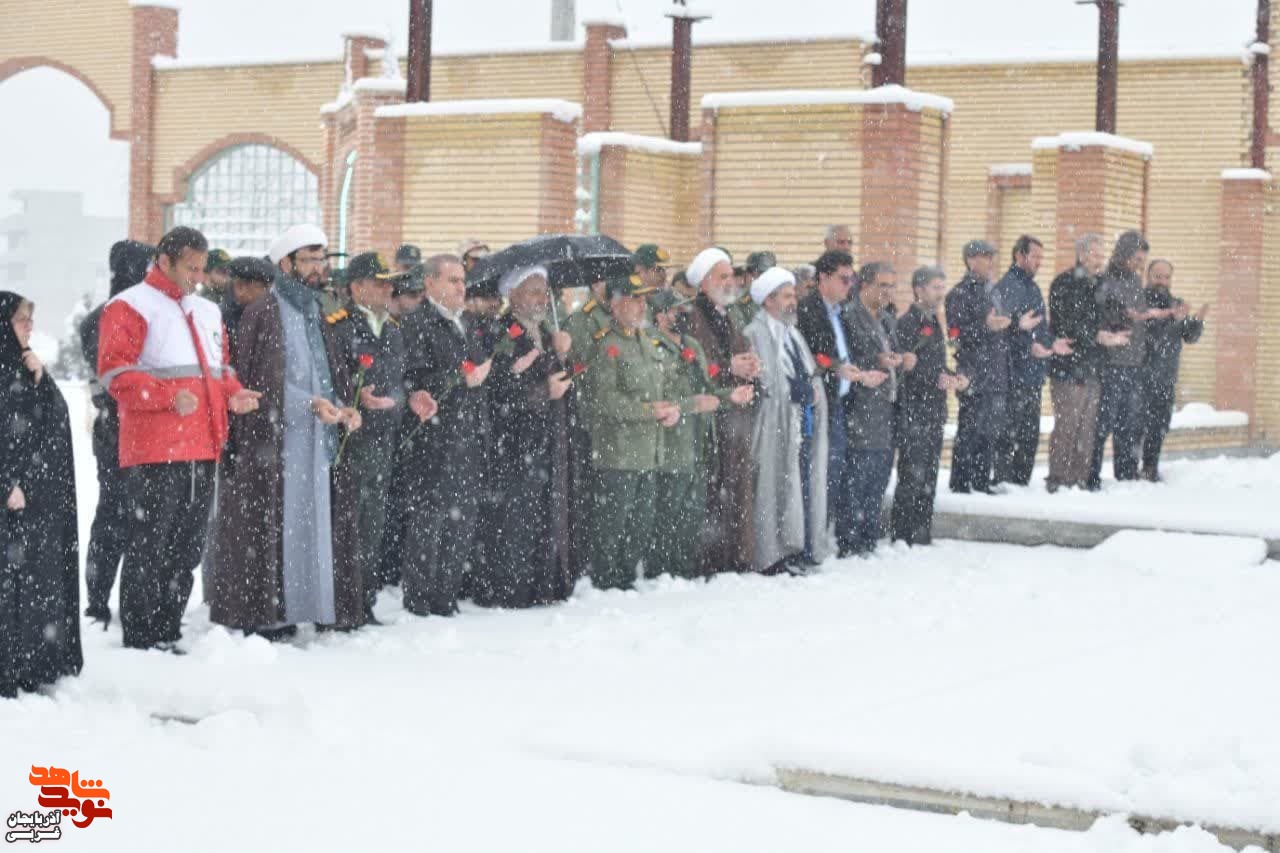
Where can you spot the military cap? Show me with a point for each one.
(250, 268)
(370, 265)
(974, 248)
(665, 300)
(626, 285)
(758, 262)
(408, 254)
(651, 255)
(412, 280)
(218, 258)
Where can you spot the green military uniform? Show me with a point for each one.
(680, 485)
(585, 323)
(627, 371)
(217, 259)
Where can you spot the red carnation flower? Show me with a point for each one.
(514, 331)
(688, 354)
(824, 360)
(468, 367)
(954, 333)
(366, 361)
(927, 331)
(612, 351)
(579, 368)
(713, 370)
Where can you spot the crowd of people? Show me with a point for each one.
(307, 437)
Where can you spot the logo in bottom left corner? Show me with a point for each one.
(62, 795)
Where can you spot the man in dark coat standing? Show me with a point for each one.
(1165, 336)
(977, 325)
(1122, 305)
(109, 535)
(372, 348)
(286, 523)
(871, 402)
(530, 559)
(922, 407)
(824, 325)
(728, 540)
(1030, 344)
(447, 460)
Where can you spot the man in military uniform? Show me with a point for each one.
(680, 485)
(745, 309)
(408, 292)
(217, 280)
(371, 343)
(585, 323)
(407, 257)
(651, 265)
(630, 413)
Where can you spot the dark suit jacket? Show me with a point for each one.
(816, 330)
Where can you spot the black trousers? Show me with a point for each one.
(1120, 419)
(1157, 414)
(371, 460)
(1015, 448)
(438, 544)
(109, 534)
(919, 450)
(981, 420)
(169, 514)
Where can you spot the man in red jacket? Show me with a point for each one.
(162, 355)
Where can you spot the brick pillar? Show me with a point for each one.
(611, 203)
(356, 46)
(377, 197)
(558, 176)
(1101, 187)
(1238, 306)
(596, 111)
(155, 33)
(901, 207)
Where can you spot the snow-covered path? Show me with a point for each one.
(1137, 676)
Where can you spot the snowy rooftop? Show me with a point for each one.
(591, 143)
(912, 100)
(1093, 139)
(565, 111)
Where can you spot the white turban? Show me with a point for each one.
(297, 237)
(769, 281)
(511, 279)
(702, 265)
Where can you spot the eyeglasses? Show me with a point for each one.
(847, 279)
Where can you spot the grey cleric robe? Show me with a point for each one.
(249, 586)
(779, 505)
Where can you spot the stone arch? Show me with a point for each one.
(182, 174)
(16, 65)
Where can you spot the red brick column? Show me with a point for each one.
(596, 112)
(611, 204)
(707, 181)
(361, 66)
(377, 196)
(1237, 309)
(558, 176)
(155, 33)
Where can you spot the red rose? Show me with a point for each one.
(713, 370)
(824, 360)
(688, 354)
(514, 331)
(927, 331)
(468, 367)
(954, 333)
(366, 361)
(579, 368)
(612, 351)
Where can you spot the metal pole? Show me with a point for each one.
(1261, 90)
(891, 31)
(1108, 71)
(419, 83)
(681, 71)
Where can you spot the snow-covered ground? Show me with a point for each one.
(1135, 677)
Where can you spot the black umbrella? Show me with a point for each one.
(572, 260)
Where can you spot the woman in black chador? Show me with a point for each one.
(39, 550)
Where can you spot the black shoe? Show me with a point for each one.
(273, 635)
(99, 614)
(170, 646)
